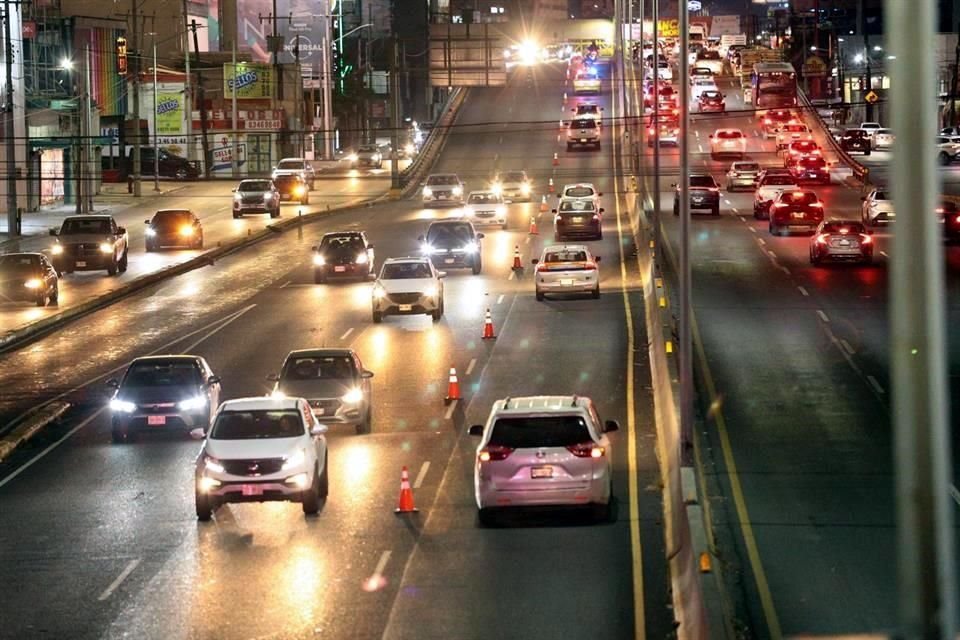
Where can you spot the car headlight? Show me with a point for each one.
(409, 149)
(298, 190)
(362, 259)
(208, 484)
(431, 291)
(212, 464)
(319, 260)
(501, 210)
(352, 157)
(353, 396)
(458, 191)
(56, 249)
(268, 195)
(106, 247)
(122, 406)
(426, 249)
(470, 247)
(294, 461)
(33, 283)
(379, 292)
(196, 402)
(237, 196)
(150, 232)
(497, 189)
(525, 188)
(427, 192)
(186, 231)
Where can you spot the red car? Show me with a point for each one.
(795, 211)
(774, 120)
(811, 169)
(950, 214)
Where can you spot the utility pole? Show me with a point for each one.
(922, 439)
(686, 282)
(233, 108)
(136, 97)
(327, 88)
(13, 217)
(656, 130)
(953, 83)
(156, 132)
(187, 95)
(201, 98)
(77, 148)
(298, 101)
(395, 185)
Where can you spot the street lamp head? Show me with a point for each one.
(877, 47)
(66, 64)
(840, 40)
(813, 48)
(858, 58)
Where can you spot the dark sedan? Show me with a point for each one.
(949, 213)
(344, 254)
(28, 277)
(856, 140)
(292, 187)
(174, 228)
(841, 240)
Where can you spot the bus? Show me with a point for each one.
(774, 85)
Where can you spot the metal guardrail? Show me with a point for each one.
(435, 139)
(860, 172)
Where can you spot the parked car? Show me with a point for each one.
(170, 165)
(173, 228)
(90, 243)
(28, 277)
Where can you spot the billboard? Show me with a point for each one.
(306, 24)
(466, 55)
(169, 116)
(250, 80)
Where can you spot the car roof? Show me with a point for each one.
(451, 222)
(407, 259)
(293, 160)
(566, 247)
(443, 175)
(23, 253)
(482, 192)
(335, 234)
(319, 352)
(90, 216)
(174, 211)
(261, 403)
(173, 357)
(579, 184)
(540, 404)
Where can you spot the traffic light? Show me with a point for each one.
(122, 56)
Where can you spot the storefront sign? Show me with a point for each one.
(251, 81)
(264, 125)
(222, 153)
(169, 116)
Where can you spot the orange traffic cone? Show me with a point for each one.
(533, 224)
(564, 97)
(556, 160)
(551, 185)
(543, 204)
(488, 327)
(406, 494)
(453, 387)
(516, 258)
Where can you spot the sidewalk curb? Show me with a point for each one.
(30, 426)
(24, 335)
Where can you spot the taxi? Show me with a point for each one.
(587, 81)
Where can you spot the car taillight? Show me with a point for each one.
(816, 205)
(823, 238)
(865, 239)
(596, 216)
(715, 189)
(767, 121)
(494, 452)
(780, 205)
(541, 267)
(957, 219)
(586, 450)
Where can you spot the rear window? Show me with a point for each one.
(778, 180)
(583, 124)
(746, 166)
(702, 181)
(729, 135)
(162, 374)
(884, 131)
(837, 227)
(252, 425)
(576, 205)
(796, 128)
(798, 197)
(711, 95)
(813, 162)
(565, 256)
(540, 431)
(578, 192)
(856, 133)
(318, 368)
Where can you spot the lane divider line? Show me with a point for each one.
(450, 408)
(761, 241)
(422, 474)
(875, 384)
(803, 291)
(286, 284)
(752, 229)
(512, 275)
(346, 333)
(822, 315)
(884, 254)
(120, 578)
(500, 299)
(771, 254)
(847, 347)
(473, 363)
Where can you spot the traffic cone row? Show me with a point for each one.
(543, 204)
(533, 226)
(551, 185)
(488, 327)
(453, 387)
(556, 160)
(516, 258)
(406, 494)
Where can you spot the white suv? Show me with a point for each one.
(295, 167)
(408, 286)
(262, 450)
(543, 450)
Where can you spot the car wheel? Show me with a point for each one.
(112, 269)
(943, 158)
(55, 296)
(204, 507)
(119, 436)
(149, 246)
(602, 512)
(773, 229)
(676, 208)
(364, 427)
(569, 147)
(595, 294)
(325, 478)
(41, 300)
(716, 210)
(436, 314)
(477, 266)
(180, 174)
(866, 152)
(310, 501)
(539, 294)
(814, 259)
(275, 213)
(377, 317)
(237, 214)
(319, 278)
(486, 517)
(123, 262)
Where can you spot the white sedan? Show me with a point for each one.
(728, 142)
(567, 268)
(485, 207)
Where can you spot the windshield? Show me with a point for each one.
(514, 176)
(483, 198)
(539, 431)
(578, 192)
(348, 244)
(290, 164)
(405, 271)
(587, 109)
(812, 163)
(702, 181)
(318, 368)
(97, 226)
(449, 234)
(881, 195)
(577, 205)
(565, 256)
(19, 264)
(162, 374)
(254, 185)
(434, 180)
(252, 425)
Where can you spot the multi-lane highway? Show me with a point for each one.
(101, 540)
(797, 439)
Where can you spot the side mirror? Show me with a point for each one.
(441, 274)
(553, 210)
(602, 209)
(366, 374)
(535, 261)
(212, 380)
(121, 231)
(596, 258)
(112, 382)
(480, 236)
(475, 430)
(611, 425)
(318, 429)
(53, 232)
(421, 239)
(146, 222)
(198, 433)
(272, 377)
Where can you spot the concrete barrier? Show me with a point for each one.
(30, 425)
(821, 133)
(434, 144)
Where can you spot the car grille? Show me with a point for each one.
(404, 298)
(329, 407)
(259, 467)
(81, 250)
(156, 407)
(254, 199)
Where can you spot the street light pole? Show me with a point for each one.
(686, 297)
(156, 145)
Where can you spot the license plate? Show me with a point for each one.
(441, 197)
(81, 263)
(339, 269)
(566, 281)
(157, 420)
(583, 139)
(252, 490)
(796, 214)
(577, 219)
(406, 307)
(449, 260)
(541, 472)
(698, 200)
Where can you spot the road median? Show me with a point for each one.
(31, 424)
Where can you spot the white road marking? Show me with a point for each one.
(500, 299)
(772, 254)
(449, 413)
(735, 210)
(346, 333)
(423, 474)
(470, 366)
(761, 241)
(120, 578)
(512, 275)
(876, 386)
(527, 240)
(884, 254)
(955, 494)
(803, 291)
(696, 133)
(846, 346)
(286, 284)
(822, 315)
(500, 140)
(726, 201)
(752, 230)
(699, 147)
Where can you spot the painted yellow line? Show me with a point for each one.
(740, 502)
(636, 552)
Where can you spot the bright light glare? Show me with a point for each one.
(529, 52)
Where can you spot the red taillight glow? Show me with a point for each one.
(865, 239)
(957, 220)
(823, 238)
(596, 216)
(767, 121)
(940, 209)
(590, 266)
(586, 450)
(494, 452)
(780, 205)
(816, 205)
(542, 267)
(714, 189)
(844, 231)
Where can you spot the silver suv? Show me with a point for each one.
(543, 450)
(583, 132)
(408, 286)
(295, 167)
